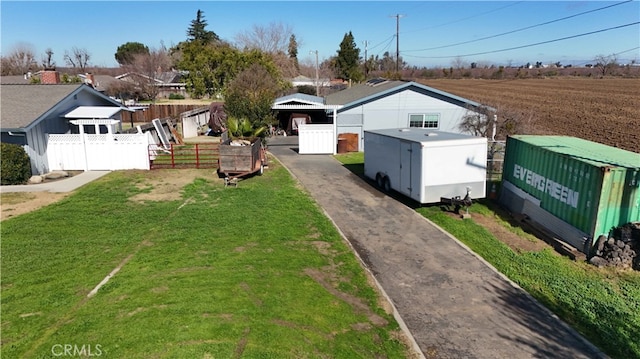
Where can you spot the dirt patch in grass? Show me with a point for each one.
(324, 279)
(514, 241)
(518, 243)
(17, 203)
(166, 185)
(159, 185)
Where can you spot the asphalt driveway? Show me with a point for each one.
(454, 304)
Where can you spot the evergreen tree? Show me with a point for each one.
(197, 31)
(293, 51)
(347, 62)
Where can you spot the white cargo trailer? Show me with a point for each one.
(426, 165)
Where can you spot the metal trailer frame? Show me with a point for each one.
(235, 162)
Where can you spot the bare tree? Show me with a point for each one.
(273, 38)
(505, 121)
(47, 59)
(459, 64)
(496, 124)
(78, 58)
(123, 90)
(147, 69)
(20, 60)
(606, 64)
(289, 67)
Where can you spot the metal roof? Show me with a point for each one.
(301, 101)
(363, 93)
(299, 98)
(93, 112)
(95, 122)
(580, 149)
(425, 135)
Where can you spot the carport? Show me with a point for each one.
(319, 137)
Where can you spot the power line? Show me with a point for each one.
(387, 41)
(465, 18)
(520, 29)
(530, 45)
(386, 47)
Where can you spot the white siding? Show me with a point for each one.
(393, 112)
(316, 139)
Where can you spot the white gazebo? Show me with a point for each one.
(95, 116)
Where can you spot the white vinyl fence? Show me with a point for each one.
(87, 152)
(316, 139)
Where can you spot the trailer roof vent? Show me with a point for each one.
(404, 130)
(430, 134)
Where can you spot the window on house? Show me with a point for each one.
(424, 120)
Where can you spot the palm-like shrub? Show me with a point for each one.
(244, 129)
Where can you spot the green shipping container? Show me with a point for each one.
(588, 187)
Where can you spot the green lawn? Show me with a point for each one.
(602, 304)
(254, 272)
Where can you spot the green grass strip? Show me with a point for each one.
(603, 305)
(255, 271)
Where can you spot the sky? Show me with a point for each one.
(428, 33)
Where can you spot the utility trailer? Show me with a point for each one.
(239, 158)
(426, 165)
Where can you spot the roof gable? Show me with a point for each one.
(21, 106)
(364, 93)
(299, 98)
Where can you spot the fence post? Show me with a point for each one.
(197, 157)
(173, 162)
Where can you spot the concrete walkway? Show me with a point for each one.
(453, 303)
(62, 185)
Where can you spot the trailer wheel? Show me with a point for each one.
(379, 181)
(386, 186)
(261, 171)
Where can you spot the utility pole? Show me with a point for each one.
(366, 59)
(397, 16)
(317, 79)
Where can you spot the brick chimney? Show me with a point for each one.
(50, 77)
(90, 79)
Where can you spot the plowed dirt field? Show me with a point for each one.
(600, 110)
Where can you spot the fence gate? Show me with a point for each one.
(85, 152)
(189, 155)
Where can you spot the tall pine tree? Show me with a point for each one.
(198, 32)
(293, 51)
(347, 62)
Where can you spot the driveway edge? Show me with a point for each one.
(413, 345)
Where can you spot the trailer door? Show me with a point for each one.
(405, 168)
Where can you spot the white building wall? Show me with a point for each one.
(393, 112)
(316, 139)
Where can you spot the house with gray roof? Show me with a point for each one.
(99, 82)
(167, 83)
(384, 104)
(30, 113)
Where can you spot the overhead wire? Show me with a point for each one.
(530, 45)
(520, 29)
(463, 19)
(388, 44)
